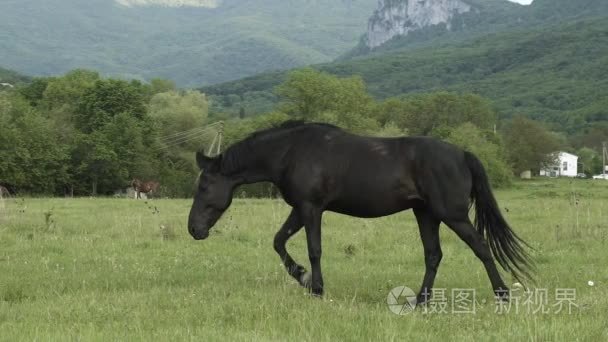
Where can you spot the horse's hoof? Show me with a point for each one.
(502, 295)
(316, 292)
(422, 300)
(316, 295)
(306, 280)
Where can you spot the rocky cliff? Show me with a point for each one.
(171, 3)
(400, 17)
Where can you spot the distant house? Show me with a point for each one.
(7, 85)
(567, 166)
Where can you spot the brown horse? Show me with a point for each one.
(4, 192)
(148, 187)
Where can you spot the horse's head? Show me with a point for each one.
(213, 196)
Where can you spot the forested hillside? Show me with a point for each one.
(556, 74)
(192, 46)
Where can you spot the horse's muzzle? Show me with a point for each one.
(201, 236)
(198, 234)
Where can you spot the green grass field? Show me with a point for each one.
(119, 269)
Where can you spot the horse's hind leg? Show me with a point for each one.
(465, 230)
(311, 216)
(292, 225)
(429, 233)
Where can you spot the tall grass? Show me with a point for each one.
(118, 269)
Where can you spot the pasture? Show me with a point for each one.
(122, 269)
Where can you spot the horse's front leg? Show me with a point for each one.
(311, 216)
(292, 225)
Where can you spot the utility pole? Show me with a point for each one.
(217, 139)
(604, 157)
(220, 135)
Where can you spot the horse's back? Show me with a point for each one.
(350, 174)
(374, 176)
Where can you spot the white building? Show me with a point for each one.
(567, 166)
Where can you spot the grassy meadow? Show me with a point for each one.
(120, 269)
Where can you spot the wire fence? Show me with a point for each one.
(180, 138)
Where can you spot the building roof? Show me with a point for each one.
(567, 154)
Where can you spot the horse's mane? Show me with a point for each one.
(286, 125)
(233, 158)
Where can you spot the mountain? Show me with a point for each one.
(556, 73)
(171, 3)
(407, 24)
(193, 42)
(400, 18)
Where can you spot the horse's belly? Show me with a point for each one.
(368, 207)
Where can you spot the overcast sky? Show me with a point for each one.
(523, 2)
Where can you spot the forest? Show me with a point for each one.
(556, 74)
(82, 134)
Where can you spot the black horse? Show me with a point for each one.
(319, 167)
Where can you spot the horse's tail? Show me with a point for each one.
(508, 248)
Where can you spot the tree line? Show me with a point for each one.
(82, 134)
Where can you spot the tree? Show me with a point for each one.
(130, 141)
(13, 105)
(158, 85)
(31, 160)
(67, 90)
(392, 111)
(34, 91)
(108, 158)
(487, 148)
(106, 99)
(96, 164)
(590, 161)
(10, 170)
(175, 115)
(424, 114)
(391, 130)
(113, 133)
(61, 99)
(316, 96)
(176, 112)
(530, 146)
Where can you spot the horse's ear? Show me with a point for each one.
(208, 163)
